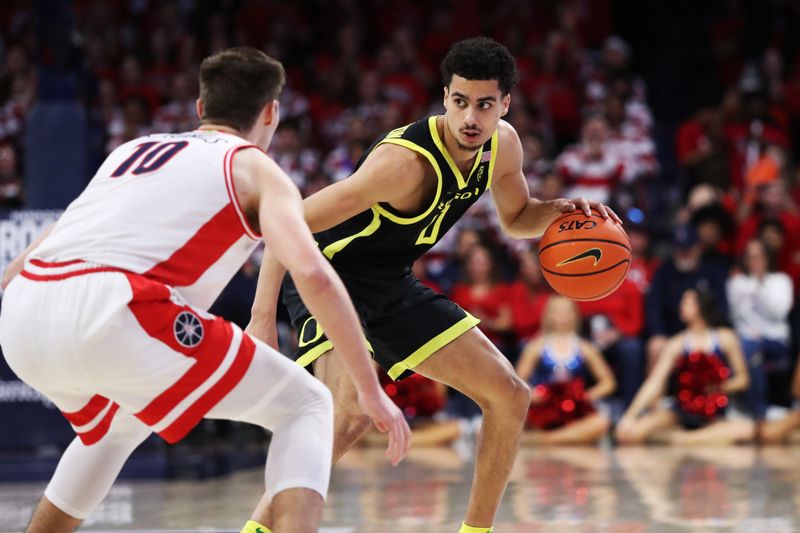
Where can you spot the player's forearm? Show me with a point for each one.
(531, 220)
(268, 288)
(327, 300)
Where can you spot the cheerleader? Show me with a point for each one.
(707, 365)
(554, 364)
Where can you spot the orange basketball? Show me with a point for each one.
(584, 258)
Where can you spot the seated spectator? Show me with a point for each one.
(135, 123)
(615, 323)
(772, 233)
(629, 141)
(528, 296)
(180, 112)
(643, 264)
(556, 364)
(482, 294)
(590, 169)
(782, 429)
(701, 149)
(684, 269)
(760, 300)
(11, 193)
(291, 151)
(707, 364)
(772, 203)
(715, 231)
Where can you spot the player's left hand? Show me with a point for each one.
(263, 330)
(566, 205)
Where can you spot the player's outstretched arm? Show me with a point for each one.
(261, 183)
(521, 216)
(263, 313)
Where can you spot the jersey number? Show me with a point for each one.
(151, 156)
(431, 232)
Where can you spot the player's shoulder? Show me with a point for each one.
(509, 150)
(396, 159)
(507, 134)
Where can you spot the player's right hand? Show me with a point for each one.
(264, 330)
(388, 419)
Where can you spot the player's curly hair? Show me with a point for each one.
(481, 58)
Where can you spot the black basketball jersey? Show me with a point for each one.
(380, 242)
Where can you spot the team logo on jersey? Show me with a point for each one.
(595, 253)
(188, 329)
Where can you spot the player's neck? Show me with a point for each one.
(221, 128)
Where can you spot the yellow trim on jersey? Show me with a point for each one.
(462, 183)
(318, 351)
(493, 159)
(300, 342)
(429, 348)
(314, 353)
(336, 247)
(429, 156)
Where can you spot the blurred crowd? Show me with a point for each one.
(705, 178)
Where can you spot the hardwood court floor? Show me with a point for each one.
(739, 489)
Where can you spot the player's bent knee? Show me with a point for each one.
(317, 395)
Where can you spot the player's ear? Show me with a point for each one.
(199, 106)
(271, 113)
(446, 94)
(506, 101)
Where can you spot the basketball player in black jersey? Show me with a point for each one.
(409, 188)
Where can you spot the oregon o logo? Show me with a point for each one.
(188, 330)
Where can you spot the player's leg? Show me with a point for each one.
(280, 396)
(84, 476)
(349, 421)
(472, 365)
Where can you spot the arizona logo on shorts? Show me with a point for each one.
(188, 329)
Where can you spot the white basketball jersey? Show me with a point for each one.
(163, 206)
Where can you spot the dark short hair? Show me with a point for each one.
(236, 83)
(708, 305)
(481, 58)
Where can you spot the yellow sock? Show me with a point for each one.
(470, 529)
(254, 527)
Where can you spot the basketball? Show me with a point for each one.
(584, 258)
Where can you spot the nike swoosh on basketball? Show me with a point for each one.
(596, 253)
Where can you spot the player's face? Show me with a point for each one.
(473, 110)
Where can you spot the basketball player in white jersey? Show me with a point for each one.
(108, 318)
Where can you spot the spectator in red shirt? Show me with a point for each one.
(528, 296)
(590, 169)
(484, 296)
(774, 204)
(615, 323)
(700, 147)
